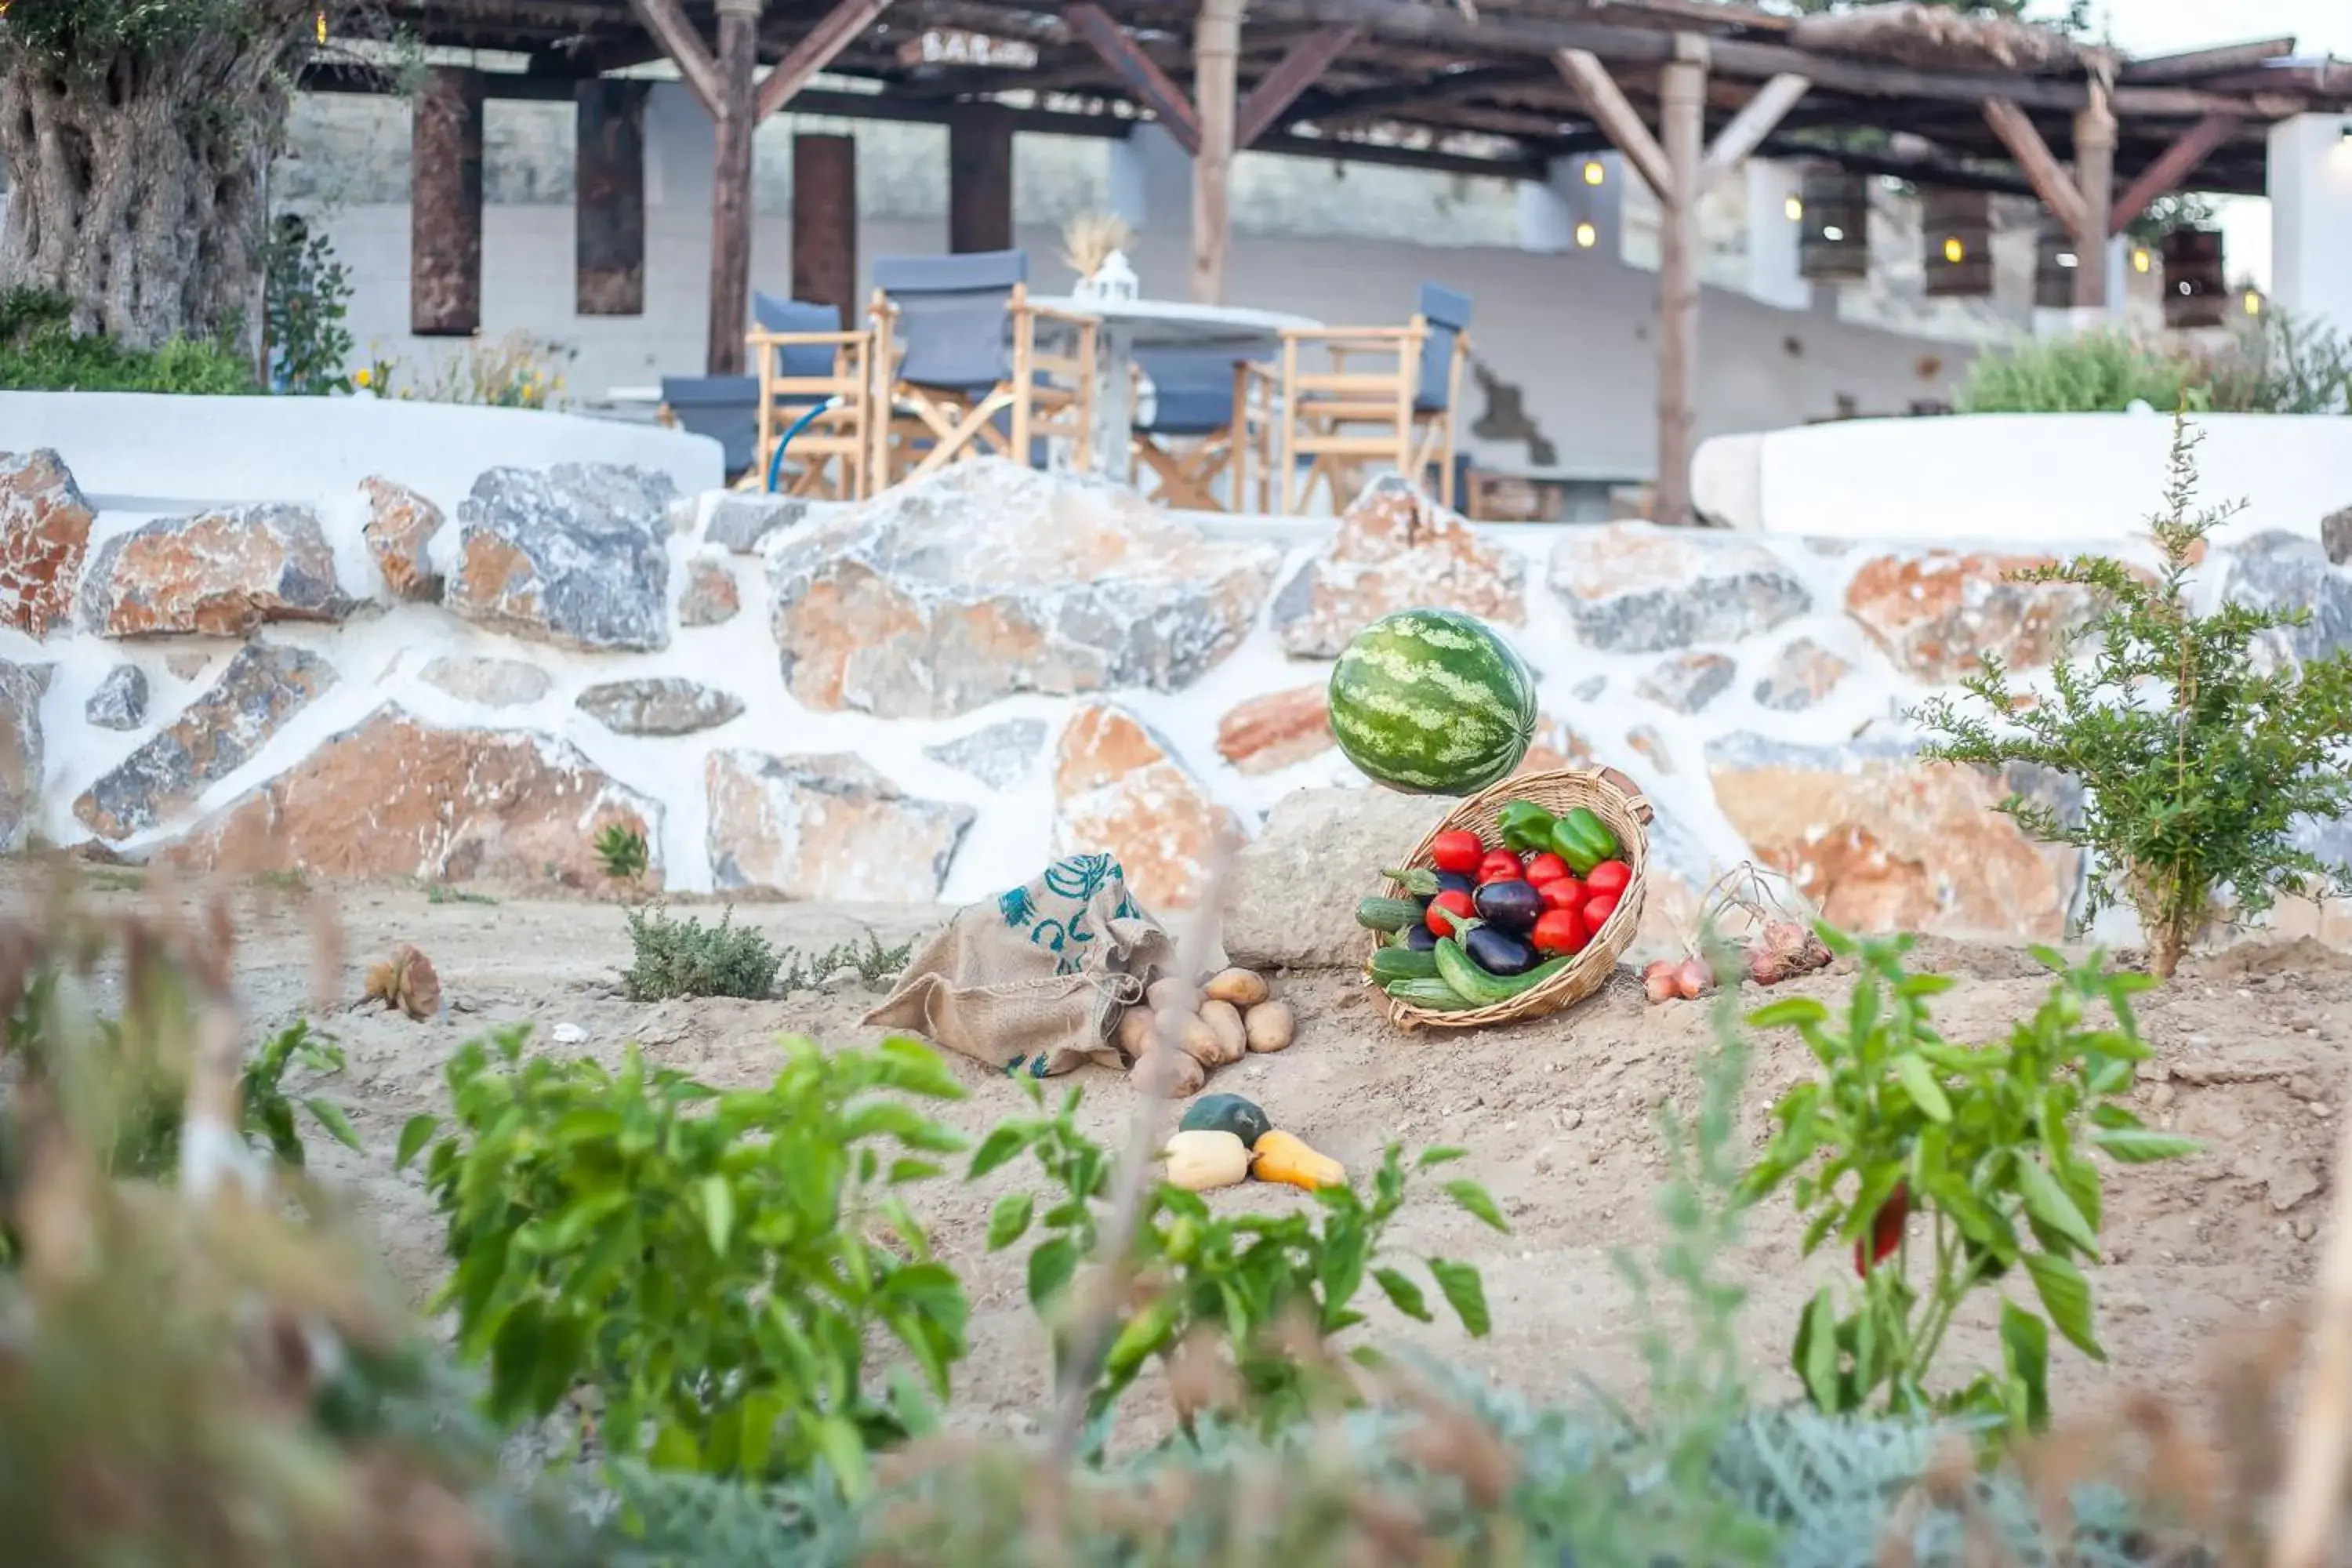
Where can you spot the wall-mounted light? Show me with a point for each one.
(1954, 251)
(1587, 237)
(2068, 259)
(1795, 208)
(2253, 303)
(1832, 232)
(2139, 262)
(1594, 172)
(322, 24)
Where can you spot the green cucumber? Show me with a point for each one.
(1418, 880)
(1387, 914)
(1404, 963)
(1458, 970)
(1432, 995)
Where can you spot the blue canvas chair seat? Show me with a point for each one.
(1198, 428)
(958, 343)
(1399, 410)
(724, 407)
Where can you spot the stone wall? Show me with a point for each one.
(925, 696)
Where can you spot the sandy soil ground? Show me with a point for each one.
(1558, 1115)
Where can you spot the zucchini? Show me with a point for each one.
(1434, 996)
(1418, 880)
(1403, 963)
(1387, 914)
(1467, 979)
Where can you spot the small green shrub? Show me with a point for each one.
(717, 1264)
(623, 852)
(305, 294)
(1990, 1144)
(39, 351)
(872, 961)
(1241, 1281)
(680, 956)
(2273, 364)
(2198, 750)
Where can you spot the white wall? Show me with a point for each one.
(2027, 477)
(2310, 217)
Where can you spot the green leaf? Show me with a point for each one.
(845, 1453)
(2139, 1147)
(717, 1213)
(1010, 1220)
(1918, 1080)
(2025, 1350)
(1402, 1294)
(514, 1364)
(415, 1134)
(1475, 1201)
(1788, 1011)
(1918, 986)
(330, 1115)
(1437, 1155)
(1465, 1292)
(2047, 1202)
(1816, 1356)
(1003, 1144)
(2066, 1297)
(1050, 1270)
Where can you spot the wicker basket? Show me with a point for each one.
(1618, 801)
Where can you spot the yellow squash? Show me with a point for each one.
(1277, 1156)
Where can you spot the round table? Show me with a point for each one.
(1132, 324)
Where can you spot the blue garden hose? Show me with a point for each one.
(776, 463)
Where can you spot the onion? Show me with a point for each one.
(1691, 979)
(1786, 938)
(1658, 980)
(1766, 967)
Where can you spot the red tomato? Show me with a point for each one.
(1448, 907)
(1546, 868)
(1560, 931)
(1457, 851)
(1562, 893)
(1610, 877)
(1886, 1229)
(1501, 866)
(1597, 911)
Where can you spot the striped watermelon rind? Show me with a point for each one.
(1432, 702)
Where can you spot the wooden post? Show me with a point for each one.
(1682, 125)
(825, 222)
(980, 177)
(2095, 172)
(1216, 53)
(445, 206)
(731, 187)
(609, 197)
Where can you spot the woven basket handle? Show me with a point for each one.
(1635, 801)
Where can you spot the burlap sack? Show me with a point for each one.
(1033, 981)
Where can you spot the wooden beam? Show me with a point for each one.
(1216, 61)
(731, 187)
(1328, 108)
(825, 222)
(1757, 119)
(841, 26)
(1682, 120)
(980, 178)
(2094, 178)
(588, 57)
(2043, 173)
(2176, 164)
(1300, 67)
(445, 206)
(1134, 67)
(608, 203)
(1607, 105)
(2193, 65)
(666, 20)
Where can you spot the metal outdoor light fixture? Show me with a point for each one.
(1795, 207)
(1594, 172)
(1954, 251)
(1587, 237)
(2139, 260)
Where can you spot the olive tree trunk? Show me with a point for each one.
(138, 183)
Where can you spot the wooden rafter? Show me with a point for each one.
(841, 26)
(666, 20)
(2196, 65)
(1300, 67)
(1757, 119)
(2176, 164)
(1606, 102)
(1144, 79)
(2041, 170)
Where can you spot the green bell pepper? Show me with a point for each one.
(1525, 826)
(1583, 840)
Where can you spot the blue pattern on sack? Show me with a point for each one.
(1077, 878)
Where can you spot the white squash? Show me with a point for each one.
(1204, 1161)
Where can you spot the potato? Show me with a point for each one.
(1239, 987)
(1165, 993)
(1225, 1018)
(1168, 1073)
(1270, 1026)
(1134, 1033)
(1202, 1043)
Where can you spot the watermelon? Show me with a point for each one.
(1432, 702)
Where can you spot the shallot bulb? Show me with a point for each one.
(1658, 980)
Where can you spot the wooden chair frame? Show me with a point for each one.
(1188, 475)
(1341, 417)
(828, 459)
(957, 427)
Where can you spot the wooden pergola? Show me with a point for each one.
(1685, 90)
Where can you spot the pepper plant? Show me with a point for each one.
(1991, 1145)
(717, 1264)
(1239, 1280)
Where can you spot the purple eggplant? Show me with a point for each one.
(1514, 906)
(1498, 951)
